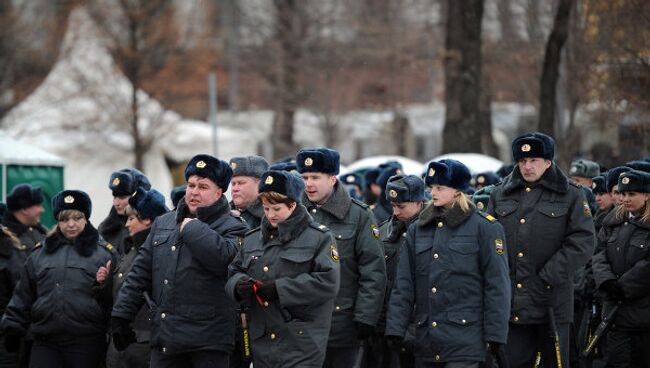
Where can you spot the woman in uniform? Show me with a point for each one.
(453, 268)
(621, 266)
(55, 297)
(287, 271)
(10, 265)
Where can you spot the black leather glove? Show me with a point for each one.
(613, 290)
(122, 333)
(266, 290)
(13, 339)
(244, 289)
(364, 331)
(499, 353)
(394, 342)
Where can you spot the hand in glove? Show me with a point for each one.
(499, 353)
(364, 331)
(122, 333)
(266, 290)
(394, 342)
(244, 289)
(613, 290)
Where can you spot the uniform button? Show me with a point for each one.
(625, 223)
(434, 324)
(519, 286)
(434, 290)
(515, 318)
(273, 336)
(266, 304)
(120, 275)
(57, 284)
(166, 282)
(173, 248)
(528, 189)
(641, 246)
(522, 221)
(520, 254)
(338, 237)
(163, 315)
(463, 321)
(164, 349)
(440, 224)
(271, 237)
(403, 234)
(338, 307)
(437, 357)
(300, 332)
(266, 268)
(155, 243)
(385, 257)
(435, 255)
(313, 211)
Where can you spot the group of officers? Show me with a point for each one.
(305, 268)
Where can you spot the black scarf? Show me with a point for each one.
(85, 244)
(452, 217)
(206, 214)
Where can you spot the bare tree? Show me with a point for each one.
(462, 132)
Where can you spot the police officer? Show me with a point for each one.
(363, 270)
(288, 271)
(55, 297)
(182, 266)
(10, 267)
(122, 183)
(353, 182)
(246, 172)
(406, 194)
(23, 219)
(612, 183)
(550, 233)
(144, 207)
(622, 271)
(583, 171)
(484, 179)
(384, 209)
(454, 269)
(604, 200)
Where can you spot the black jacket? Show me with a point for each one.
(114, 231)
(252, 214)
(185, 274)
(29, 236)
(55, 292)
(550, 235)
(10, 266)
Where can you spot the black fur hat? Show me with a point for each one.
(149, 203)
(319, 160)
(210, 167)
(71, 200)
(634, 181)
(283, 182)
(534, 144)
(450, 173)
(23, 196)
(124, 182)
(613, 174)
(599, 185)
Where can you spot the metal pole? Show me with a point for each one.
(212, 115)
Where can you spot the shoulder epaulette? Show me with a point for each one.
(358, 202)
(487, 216)
(37, 245)
(109, 246)
(253, 230)
(574, 184)
(319, 227)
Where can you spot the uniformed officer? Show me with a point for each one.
(10, 267)
(484, 179)
(353, 182)
(550, 233)
(177, 193)
(383, 209)
(123, 184)
(288, 271)
(183, 267)
(612, 183)
(246, 173)
(604, 200)
(363, 270)
(54, 297)
(622, 271)
(144, 207)
(406, 195)
(454, 270)
(481, 197)
(23, 219)
(582, 171)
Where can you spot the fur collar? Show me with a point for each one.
(207, 214)
(135, 241)
(113, 223)
(85, 244)
(553, 179)
(290, 228)
(452, 217)
(17, 227)
(254, 209)
(396, 228)
(7, 241)
(338, 203)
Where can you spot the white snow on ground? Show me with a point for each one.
(476, 162)
(411, 167)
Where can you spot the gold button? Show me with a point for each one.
(338, 236)
(440, 224)
(522, 221)
(434, 324)
(271, 237)
(338, 307)
(515, 318)
(520, 254)
(519, 286)
(120, 275)
(266, 268)
(403, 234)
(163, 315)
(313, 211)
(173, 248)
(437, 357)
(273, 336)
(528, 189)
(266, 304)
(435, 255)
(434, 290)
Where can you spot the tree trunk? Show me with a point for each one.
(551, 68)
(485, 120)
(462, 132)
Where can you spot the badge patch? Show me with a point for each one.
(201, 164)
(432, 172)
(309, 161)
(498, 245)
(392, 193)
(116, 182)
(269, 180)
(490, 218)
(525, 148)
(586, 209)
(233, 165)
(334, 253)
(375, 231)
(625, 180)
(68, 199)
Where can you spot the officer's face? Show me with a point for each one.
(201, 192)
(585, 182)
(443, 196)
(277, 212)
(532, 168)
(32, 215)
(73, 225)
(406, 210)
(318, 186)
(617, 196)
(634, 201)
(604, 200)
(134, 224)
(120, 203)
(243, 190)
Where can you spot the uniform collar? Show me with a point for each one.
(290, 228)
(553, 179)
(84, 244)
(452, 217)
(206, 214)
(337, 204)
